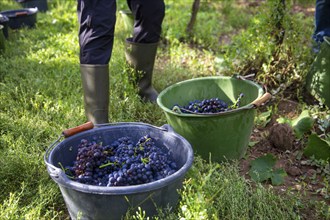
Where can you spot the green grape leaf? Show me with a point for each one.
(278, 177)
(283, 120)
(317, 147)
(263, 118)
(252, 143)
(303, 123)
(262, 168)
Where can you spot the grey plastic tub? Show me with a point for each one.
(100, 202)
(42, 5)
(18, 18)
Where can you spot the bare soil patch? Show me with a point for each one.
(301, 177)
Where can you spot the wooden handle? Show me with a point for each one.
(71, 131)
(264, 98)
(21, 13)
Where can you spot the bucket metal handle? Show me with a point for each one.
(132, 123)
(246, 77)
(259, 101)
(55, 171)
(167, 127)
(89, 125)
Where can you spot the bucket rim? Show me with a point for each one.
(66, 182)
(3, 18)
(12, 13)
(245, 107)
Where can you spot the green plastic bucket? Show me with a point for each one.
(222, 136)
(318, 78)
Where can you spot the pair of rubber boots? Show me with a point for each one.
(95, 80)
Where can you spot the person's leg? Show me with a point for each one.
(148, 18)
(97, 20)
(142, 47)
(322, 23)
(318, 78)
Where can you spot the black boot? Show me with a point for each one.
(141, 57)
(95, 81)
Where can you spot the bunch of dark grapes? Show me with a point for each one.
(122, 163)
(207, 106)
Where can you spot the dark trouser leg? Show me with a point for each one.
(322, 22)
(318, 77)
(148, 18)
(97, 19)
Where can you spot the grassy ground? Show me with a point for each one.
(41, 95)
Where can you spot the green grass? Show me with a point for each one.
(214, 191)
(41, 95)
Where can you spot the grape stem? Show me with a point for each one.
(238, 101)
(145, 160)
(64, 170)
(107, 164)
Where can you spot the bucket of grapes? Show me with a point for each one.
(215, 114)
(107, 171)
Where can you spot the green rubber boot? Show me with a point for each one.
(141, 57)
(95, 82)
